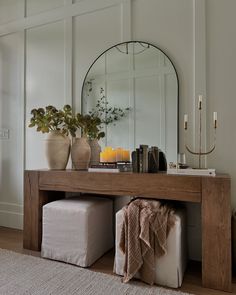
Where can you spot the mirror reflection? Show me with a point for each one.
(140, 81)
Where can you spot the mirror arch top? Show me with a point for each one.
(140, 76)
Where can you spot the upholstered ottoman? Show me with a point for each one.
(77, 230)
(170, 267)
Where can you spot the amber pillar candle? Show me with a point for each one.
(125, 156)
(119, 155)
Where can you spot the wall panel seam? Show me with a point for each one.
(58, 14)
(199, 72)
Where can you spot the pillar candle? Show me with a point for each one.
(108, 148)
(126, 156)
(102, 157)
(111, 154)
(119, 154)
(108, 152)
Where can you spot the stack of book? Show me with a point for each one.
(192, 171)
(111, 167)
(145, 159)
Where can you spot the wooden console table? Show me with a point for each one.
(43, 186)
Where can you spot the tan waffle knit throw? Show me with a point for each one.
(144, 235)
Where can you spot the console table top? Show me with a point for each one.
(151, 185)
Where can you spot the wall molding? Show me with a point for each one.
(11, 207)
(199, 72)
(11, 215)
(68, 76)
(61, 13)
(126, 21)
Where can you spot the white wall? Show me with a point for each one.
(11, 148)
(44, 82)
(221, 84)
(58, 40)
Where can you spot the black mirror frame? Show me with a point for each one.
(149, 44)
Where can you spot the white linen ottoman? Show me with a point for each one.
(77, 230)
(170, 268)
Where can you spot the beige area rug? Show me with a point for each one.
(23, 274)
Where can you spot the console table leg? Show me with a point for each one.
(34, 199)
(216, 234)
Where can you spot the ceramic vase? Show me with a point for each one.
(80, 153)
(57, 150)
(95, 152)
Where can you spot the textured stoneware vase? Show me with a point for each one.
(57, 150)
(95, 152)
(80, 153)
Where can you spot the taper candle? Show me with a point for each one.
(200, 102)
(185, 122)
(215, 119)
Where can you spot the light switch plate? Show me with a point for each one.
(4, 133)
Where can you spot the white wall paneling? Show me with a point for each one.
(199, 75)
(35, 6)
(11, 10)
(45, 81)
(68, 61)
(81, 8)
(126, 19)
(11, 118)
(221, 65)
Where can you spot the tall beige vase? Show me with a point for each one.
(80, 153)
(57, 150)
(95, 152)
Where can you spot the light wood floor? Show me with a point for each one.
(11, 239)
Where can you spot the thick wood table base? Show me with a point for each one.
(213, 193)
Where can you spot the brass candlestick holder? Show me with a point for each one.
(200, 151)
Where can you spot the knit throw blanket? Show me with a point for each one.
(144, 235)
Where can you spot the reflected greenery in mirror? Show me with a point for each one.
(108, 114)
(134, 84)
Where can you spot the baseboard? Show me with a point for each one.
(11, 215)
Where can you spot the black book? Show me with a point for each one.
(153, 160)
(162, 161)
(143, 158)
(135, 161)
(138, 160)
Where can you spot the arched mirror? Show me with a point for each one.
(141, 77)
